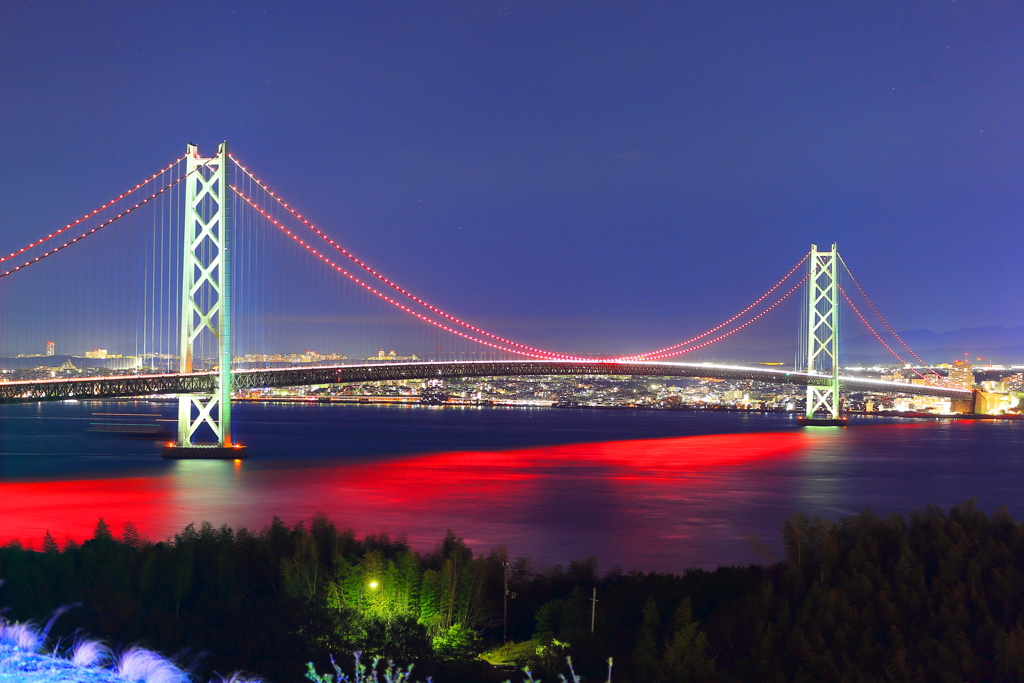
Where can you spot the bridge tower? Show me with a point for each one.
(206, 304)
(823, 337)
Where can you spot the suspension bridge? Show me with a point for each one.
(172, 293)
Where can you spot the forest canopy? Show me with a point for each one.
(931, 596)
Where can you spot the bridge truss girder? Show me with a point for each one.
(206, 382)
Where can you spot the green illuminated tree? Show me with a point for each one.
(457, 643)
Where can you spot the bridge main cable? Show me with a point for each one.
(94, 230)
(540, 353)
(663, 353)
(522, 349)
(94, 212)
(720, 337)
(395, 303)
(887, 326)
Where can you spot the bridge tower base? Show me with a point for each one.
(823, 339)
(173, 451)
(206, 305)
(804, 421)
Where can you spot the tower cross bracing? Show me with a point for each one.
(823, 331)
(206, 297)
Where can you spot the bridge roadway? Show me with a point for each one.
(31, 391)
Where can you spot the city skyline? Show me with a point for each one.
(982, 346)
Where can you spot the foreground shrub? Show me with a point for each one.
(23, 655)
(363, 674)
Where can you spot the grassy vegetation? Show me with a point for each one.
(513, 654)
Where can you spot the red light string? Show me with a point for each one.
(884, 322)
(732, 332)
(388, 282)
(877, 336)
(98, 227)
(398, 304)
(642, 356)
(661, 352)
(90, 215)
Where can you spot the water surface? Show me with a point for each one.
(637, 489)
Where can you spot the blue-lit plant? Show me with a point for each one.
(22, 653)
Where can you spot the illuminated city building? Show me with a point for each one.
(50, 348)
(961, 373)
(392, 355)
(894, 376)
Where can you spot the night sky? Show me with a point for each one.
(572, 174)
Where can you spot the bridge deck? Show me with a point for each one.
(204, 382)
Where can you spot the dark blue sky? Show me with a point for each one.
(560, 171)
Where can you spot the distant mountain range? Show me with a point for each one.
(996, 345)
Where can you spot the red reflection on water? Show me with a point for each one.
(597, 494)
(70, 509)
(505, 472)
(641, 504)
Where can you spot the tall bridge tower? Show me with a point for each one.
(206, 305)
(823, 337)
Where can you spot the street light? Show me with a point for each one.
(371, 585)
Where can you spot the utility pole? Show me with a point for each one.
(593, 608)
(504, 616)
